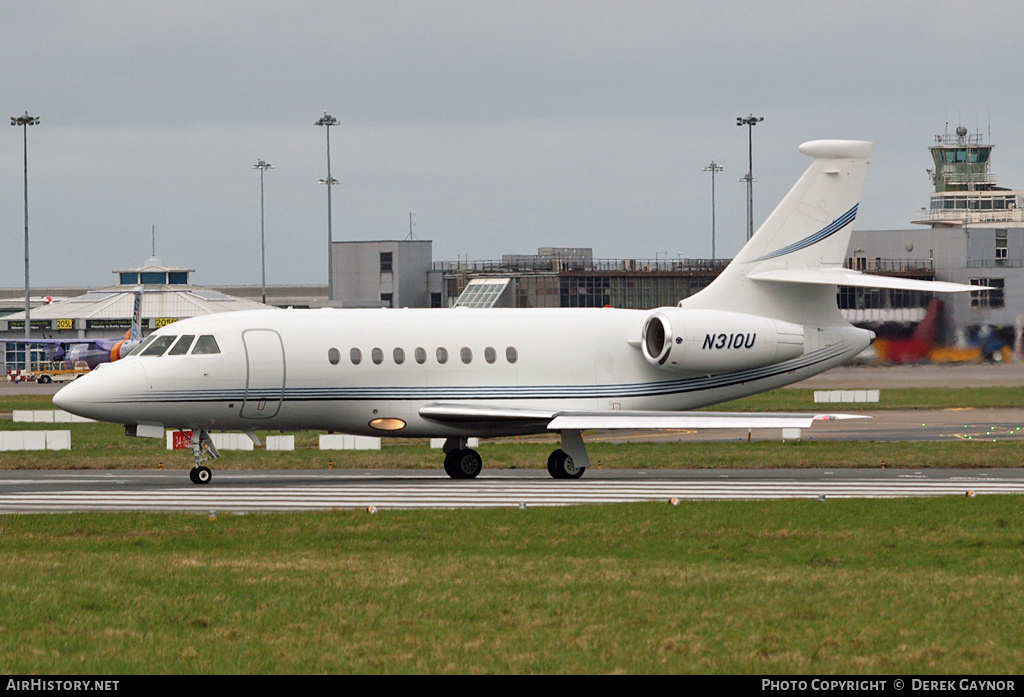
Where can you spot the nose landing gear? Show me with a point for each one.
(203, 449)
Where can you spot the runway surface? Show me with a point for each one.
(233, 491)
(238, 492)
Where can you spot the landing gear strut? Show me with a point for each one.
(459, 461)
(203, 449)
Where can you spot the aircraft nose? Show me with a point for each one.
(104, 394)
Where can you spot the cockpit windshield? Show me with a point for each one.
(182, 346)
(157, 345)
(206, 344)
(142, 347)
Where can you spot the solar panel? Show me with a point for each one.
(210, 295)
(482, 292)
(94, 296)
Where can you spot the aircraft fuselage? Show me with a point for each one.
(370, 371)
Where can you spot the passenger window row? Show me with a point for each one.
(420, 355)
(158, 345)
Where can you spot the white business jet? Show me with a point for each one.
(770, 319)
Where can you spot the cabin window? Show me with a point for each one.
(421, 355)
(333, 356)
(511, 355)
(377, 356)
(442, 355)
(399, 356)
(490, 355)
(206, 344)
(356, 356)
(182, 346)
(159, 345)
(466, 355)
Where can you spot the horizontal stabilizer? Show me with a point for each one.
(849, 277)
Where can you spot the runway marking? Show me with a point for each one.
(442, 493)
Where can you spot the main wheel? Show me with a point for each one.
(561, 466)
(450, 464)
(463, 464)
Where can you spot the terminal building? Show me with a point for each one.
(106, 313)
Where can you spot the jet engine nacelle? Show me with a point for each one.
(708, 341)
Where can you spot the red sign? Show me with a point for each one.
(180, 440)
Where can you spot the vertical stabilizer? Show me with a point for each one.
(136, 331)
(809, 229)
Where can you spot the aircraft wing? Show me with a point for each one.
(557, 420)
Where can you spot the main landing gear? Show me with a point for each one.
(568, 462)
(562, 466)
(203, 449)
(459, 461)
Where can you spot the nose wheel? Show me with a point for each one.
(200, 474)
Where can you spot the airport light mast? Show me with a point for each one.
(329, 121)
(749, 122)
(25, 121)
(262, 167)
(713, 168)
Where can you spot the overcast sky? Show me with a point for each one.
(505, 126)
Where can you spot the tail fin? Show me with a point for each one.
(136, 331)
(809, 230)
(927, 330)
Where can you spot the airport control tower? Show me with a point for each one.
(965, 187)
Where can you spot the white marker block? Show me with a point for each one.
(280, 442)
(58, 440)
(439, 442)
(343, 441)
(34, 440)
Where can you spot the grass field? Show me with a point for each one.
(843, 587)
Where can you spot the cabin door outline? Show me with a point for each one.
(264, 373)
